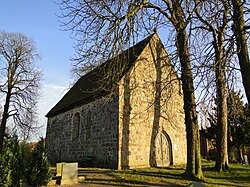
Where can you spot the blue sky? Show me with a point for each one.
(37, 19)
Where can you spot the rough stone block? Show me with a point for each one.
(59, 169)
(68, 172)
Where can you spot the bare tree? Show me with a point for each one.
(104, 28)
(208, 11)
(239, 29)
(19, 82)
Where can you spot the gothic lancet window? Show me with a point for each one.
(75, 126)
(88, 125)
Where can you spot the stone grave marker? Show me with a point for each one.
(68, 172)
(59, 169)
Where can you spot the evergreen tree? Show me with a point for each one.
(244, 130)
(38, 172)
(238, 125)
(11, 163)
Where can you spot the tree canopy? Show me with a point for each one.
(19, 81)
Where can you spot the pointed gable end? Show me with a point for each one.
(96, 83)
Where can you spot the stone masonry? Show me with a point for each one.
(140, 124)
(151, 102)
(101, 145)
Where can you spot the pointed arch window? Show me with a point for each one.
(75, 126)
(88, 125)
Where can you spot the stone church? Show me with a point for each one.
(125, 113)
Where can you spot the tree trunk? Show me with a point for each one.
(241, 42)
(4, 120)
(221, 138)
(198, 167)
(240, 158)
(193, 167)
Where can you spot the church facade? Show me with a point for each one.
(130, 119)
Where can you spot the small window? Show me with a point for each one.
(75, 126)
(88, 125)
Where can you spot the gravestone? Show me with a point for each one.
(68, 172)
(59, 169)
(246, 160)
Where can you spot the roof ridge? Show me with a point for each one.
(89, 86)
(110, 59)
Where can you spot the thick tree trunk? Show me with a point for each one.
(241, 41)
(193, 167)
(193, 150)
(4, 120)
(221, 138)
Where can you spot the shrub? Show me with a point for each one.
(38, 170)
(11, 163)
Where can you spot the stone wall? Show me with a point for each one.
(150, 103)
(96, 143)
(126, 130)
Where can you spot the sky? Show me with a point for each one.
(38, 20)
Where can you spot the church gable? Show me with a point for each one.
(140, 124)
(151, 109)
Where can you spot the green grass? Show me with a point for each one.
(152, 176)
(238, 175)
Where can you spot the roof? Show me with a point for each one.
(97, 83)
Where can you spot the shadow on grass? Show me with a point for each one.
(125, 182)
(163, 176)
(237, 175)
(172, 173)
(115, 180)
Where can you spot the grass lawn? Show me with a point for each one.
(238, 175)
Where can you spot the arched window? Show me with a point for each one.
(88, 125)
(75, 126)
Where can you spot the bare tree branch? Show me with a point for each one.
(20, 80)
